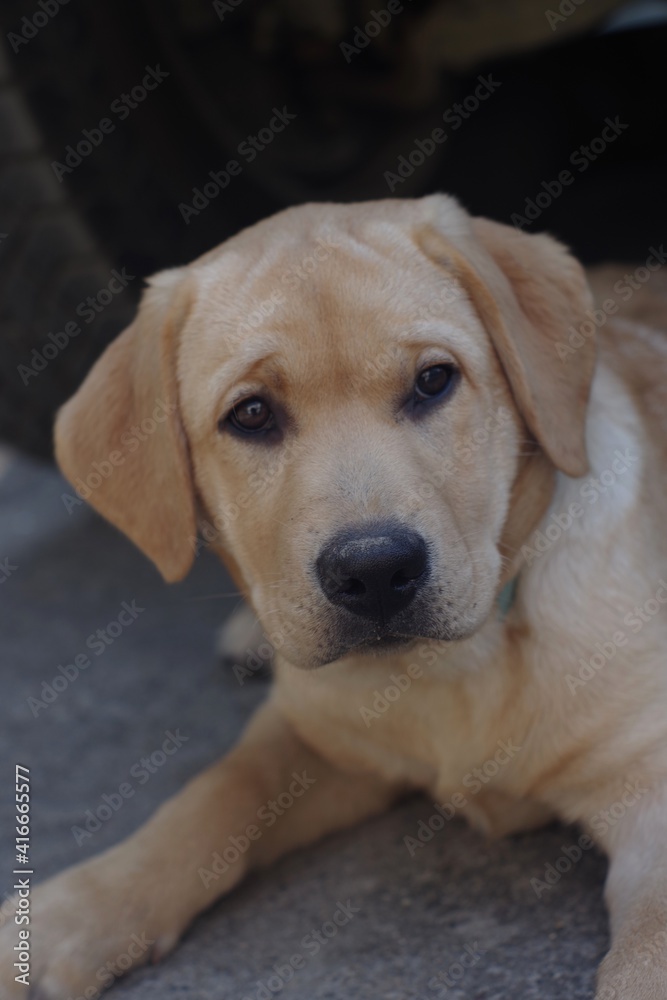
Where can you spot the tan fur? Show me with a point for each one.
(338, 351)
(151, 499)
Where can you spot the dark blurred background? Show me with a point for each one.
(362, 92)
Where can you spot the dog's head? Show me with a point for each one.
(365, 403)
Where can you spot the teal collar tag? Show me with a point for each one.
(506, 598)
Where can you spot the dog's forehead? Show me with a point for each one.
(315, 256)
(331, 303)
(305, 282)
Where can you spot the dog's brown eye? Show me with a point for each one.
(251, 416)
(435, 381)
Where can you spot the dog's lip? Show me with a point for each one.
(388, 637)
(383, 639)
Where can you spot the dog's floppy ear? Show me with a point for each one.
(529, 292)
(119, 439)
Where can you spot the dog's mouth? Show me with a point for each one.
(367, 646)
(352, 637)
(383, 641)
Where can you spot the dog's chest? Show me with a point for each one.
(408, 725)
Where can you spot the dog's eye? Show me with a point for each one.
(252, 416)
(435, 382)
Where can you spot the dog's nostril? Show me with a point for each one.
(352, 588)
(403, 577)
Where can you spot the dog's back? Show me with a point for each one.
(633, 343)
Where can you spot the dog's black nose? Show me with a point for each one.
(373, 573)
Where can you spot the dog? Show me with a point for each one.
(392, 422)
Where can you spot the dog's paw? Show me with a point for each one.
(88, 927)
(636, 973)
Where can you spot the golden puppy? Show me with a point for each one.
(385, 416)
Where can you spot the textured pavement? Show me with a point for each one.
(416, 916)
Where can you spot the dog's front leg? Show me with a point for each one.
(129, 905)
(636, 892)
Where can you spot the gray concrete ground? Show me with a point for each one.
(416, 915)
